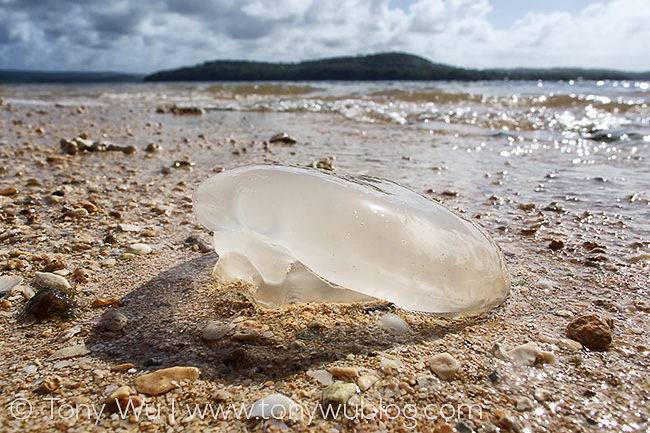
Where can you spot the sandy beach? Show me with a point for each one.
(575, 238)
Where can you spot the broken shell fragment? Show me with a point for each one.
(305, 235)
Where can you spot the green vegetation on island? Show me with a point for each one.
(386, 66)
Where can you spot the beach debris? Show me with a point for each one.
(338, 394)
(104, 302)
(592, 330)
(276, 406)
(139, 249)
(82, 275)
(9, 191)
(394, 323)
(123, 399)
(282, 138)
(180, 110)
(162, 381)
(324, 377)
(345, 373)
(324, 164)
(365, 381)
(443, 365)
(48, 279)
(82, 143)
(69, 352)
(529, 354)
(7, 283)
(49, 302)
(344, 239)
(113, 321)
(215, 331)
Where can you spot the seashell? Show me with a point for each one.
(306, 235)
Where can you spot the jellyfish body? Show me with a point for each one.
(305, 235)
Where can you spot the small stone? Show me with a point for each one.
(542, 394)
(526, 354)
(46, 279)
(221, 395)
(503, 420)
(345, 373)
(108, 263)
(122, 400)
(282, 137)
(115, 321)
(338, 394)
(276, 406)
(216, 331)
(5, 304)
(556, 244)
(9, 191)
(592, 330)
(82, 275)
(523, 404)
(394, 323)
(160, 382)
(77, 213)
(388, 365)
(104, 302)
(324, 377)
(7, 283)
(129, 227)
(69, 352)
(366, 381)
(50, 384)
(139, 249)
(443, 365)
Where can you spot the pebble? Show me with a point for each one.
(525, 354)
(77, 213)
(523, 404)
(345, 373)
(571, 345)
(324, 377)
(282, 137)
(338, 394)
(274, 406)
(108, 263)
(366, 381)
(592, 330)
(160, 382)
(7, 283)
(394, 323)
(387, 365)
(47, 279)
(82, 275)
(69, 352)
(115, 321)
(216, 331)
(221, 395)
(139, 249)
(104, 302)
(443, 365)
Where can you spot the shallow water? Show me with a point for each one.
(584, 143)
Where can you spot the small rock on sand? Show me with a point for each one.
(69, 352)
(338, 394)
(444, 365)
(394, 323)
(159, 382)
(139, 249)
(592, 330)
(274, 406)
(47, 279)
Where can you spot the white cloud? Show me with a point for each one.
(99, 35)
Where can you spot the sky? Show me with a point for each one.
(145, 36)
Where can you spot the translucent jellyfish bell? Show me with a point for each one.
(305, 235)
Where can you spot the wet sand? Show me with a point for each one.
(168, 297)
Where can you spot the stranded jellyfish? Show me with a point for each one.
(305, 235)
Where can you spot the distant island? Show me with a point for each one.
(385, 66)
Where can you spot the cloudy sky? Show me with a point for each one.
(145, 36)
